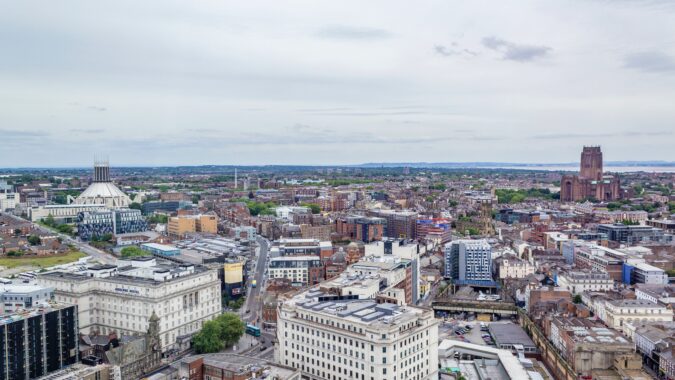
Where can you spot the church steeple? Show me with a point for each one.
(153, 332)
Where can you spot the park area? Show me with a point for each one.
(40, 261)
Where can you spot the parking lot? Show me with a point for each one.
(457, 330)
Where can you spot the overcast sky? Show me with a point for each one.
(334, 82)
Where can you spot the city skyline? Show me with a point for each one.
(225, 83)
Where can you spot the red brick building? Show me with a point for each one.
(591, 182)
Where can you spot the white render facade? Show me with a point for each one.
(515, 268)
(618, 313)
(579, 282)
(183, 299)
(357, 339)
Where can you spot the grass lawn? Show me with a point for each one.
(42, 262)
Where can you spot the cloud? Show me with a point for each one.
(14, 133)
(87, 131)
(650, 62)
(86, 107)
(352, 33)
(448, 52)
(556, 136)
(515, 52)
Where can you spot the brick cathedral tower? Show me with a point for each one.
(591, 163)
(591, 183)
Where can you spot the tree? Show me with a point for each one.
(231, 328)
(135, 206)
(314, 208)
(237, 304)
(158, 218)
(65, 229)
(17, 231)
(208, 340)
(106, 237)
(14, 253)
(49, 220)
(577, 298)
(196, 198)
(132, 251)
(638, 189)
(473, 231)
(34, 240)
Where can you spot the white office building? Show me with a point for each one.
(644, 273)
(17, 297)
(304, 270)
(8, 198)
(619, 313)
(578, 282)
(400, 249)
(122, 298)
(341, 337)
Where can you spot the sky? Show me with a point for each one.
(334, 82)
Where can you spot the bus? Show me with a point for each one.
(252, 330)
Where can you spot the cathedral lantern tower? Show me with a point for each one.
(591, 163)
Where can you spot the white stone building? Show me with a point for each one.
(327, 338)
(620, 312)
(578, 282)
(122, 298)
(510, 266)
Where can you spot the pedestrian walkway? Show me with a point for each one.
(245, 344)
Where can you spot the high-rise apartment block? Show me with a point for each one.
(37, 342)
(468, 262)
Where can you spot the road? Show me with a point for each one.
(254, 300)
(96, 254)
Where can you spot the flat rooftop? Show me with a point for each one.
(18, 316)
(509, 333)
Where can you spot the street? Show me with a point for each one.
(253, 299)
(254, 304)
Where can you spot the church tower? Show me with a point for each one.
(591, 163)
(153, 333)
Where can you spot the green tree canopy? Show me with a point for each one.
(49, 220)
(232, 328)
(577, 298)
(132, 251)
(315, 208)
(34, 240)
(158, 218)
(135, 206)
(221, 332)
(208, 340)
(65, 229)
